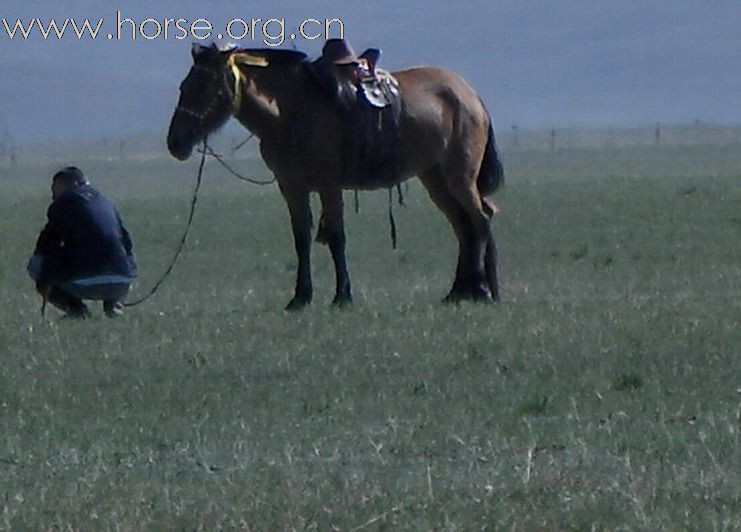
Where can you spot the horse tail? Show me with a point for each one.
(491, 174)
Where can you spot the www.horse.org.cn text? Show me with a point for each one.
(268, 31)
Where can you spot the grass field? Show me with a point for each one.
(603, 393)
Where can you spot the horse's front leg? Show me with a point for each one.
(300, 211)
(332, 232)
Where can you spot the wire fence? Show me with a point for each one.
(153, 147)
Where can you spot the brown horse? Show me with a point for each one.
(445, 138)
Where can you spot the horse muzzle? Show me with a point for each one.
(179, 147)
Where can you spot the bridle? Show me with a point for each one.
(232, 64)
(218, 99)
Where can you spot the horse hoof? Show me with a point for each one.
(452, 299)
(486, 300)
(297, 304)
(342, 302)
(476, 295)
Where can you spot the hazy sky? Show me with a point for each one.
(541, 63)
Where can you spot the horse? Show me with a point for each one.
(445, 138)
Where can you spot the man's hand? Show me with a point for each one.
(34, 267)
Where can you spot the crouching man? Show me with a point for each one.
(84, 251)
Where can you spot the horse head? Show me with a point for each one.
(212, 91)
(205, 102)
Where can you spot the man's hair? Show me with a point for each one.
(70, 175)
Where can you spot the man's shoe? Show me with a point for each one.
(115, 310)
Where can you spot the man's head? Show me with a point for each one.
(66, 179)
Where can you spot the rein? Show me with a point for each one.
(207, 150)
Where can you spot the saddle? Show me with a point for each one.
(379, 87)
(369, 100)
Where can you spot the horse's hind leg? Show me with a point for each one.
(483, 250)
(332, 232)
(490, 259)
(470, 279)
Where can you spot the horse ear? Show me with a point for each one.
(197, 49)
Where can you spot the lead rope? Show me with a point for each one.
(188, 225)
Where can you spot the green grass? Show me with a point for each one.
(626, 381)
(603, 393)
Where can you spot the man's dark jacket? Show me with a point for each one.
(83, 237)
